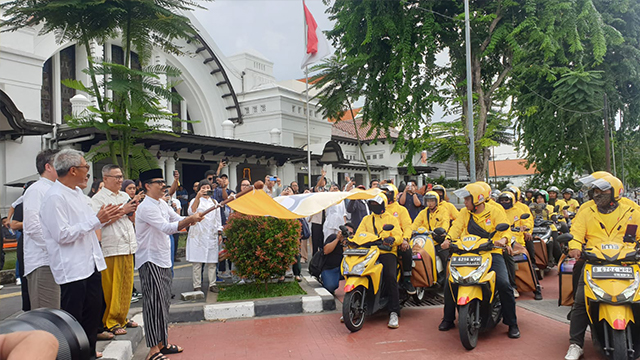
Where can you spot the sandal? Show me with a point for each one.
(105, 335)
(131, 324)
(158, 356)
(171, 349)
(118, 330)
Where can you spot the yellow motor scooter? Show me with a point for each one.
(611, 281)
(363, 274)
(479, 307)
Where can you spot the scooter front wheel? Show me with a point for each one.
(619, 344)
(353, 309)
(467, 325)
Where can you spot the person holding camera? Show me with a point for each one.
(333, 248)
(204, 237)
(411, 200)
(270, 186)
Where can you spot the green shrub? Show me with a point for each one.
(261, 246)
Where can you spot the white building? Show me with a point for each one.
(239, 111)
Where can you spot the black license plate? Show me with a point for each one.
(612, 272)
(466, 261)
(356, 252)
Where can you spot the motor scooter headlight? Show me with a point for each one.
(345, 266)
(358, 268)
(628, 293)
(601, 295)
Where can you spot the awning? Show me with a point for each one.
(88, 137)
(418, 169)
(20, 182)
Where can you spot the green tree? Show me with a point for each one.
(143, 25)
(337, 90)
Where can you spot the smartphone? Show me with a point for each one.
(630, 233)
(273, 178)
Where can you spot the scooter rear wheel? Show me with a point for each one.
(468, 331)
(353, 312)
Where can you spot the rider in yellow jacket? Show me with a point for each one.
(486, 219)
(404, 219)
(374, 224)
(435, 215)
(444, 201)
(605, 220)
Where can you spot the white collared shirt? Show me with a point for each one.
(119, 237)
(69, 230)
(35, 250)
(155, 221)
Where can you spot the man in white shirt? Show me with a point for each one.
(69, 231)
(118, 239)
(155, 221)
(43, 290)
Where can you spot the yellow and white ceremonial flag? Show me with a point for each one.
(259, 203)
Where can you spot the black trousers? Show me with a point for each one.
(579, 318)
(511, 268)
(532, 252)
(317, 237)
(406, 258)
(389, 265)
(26, 302)
(502, 286)
(83, 300)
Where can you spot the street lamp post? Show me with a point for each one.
(472, 145)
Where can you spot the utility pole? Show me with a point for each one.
(472, 144)
(607, 145)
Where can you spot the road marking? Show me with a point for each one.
(390, 342)
(10, 295)
(403, 351)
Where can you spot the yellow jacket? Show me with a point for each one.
(623, 200)
(433, 219)
(453, 211)
(402, 214)
(591, 228)
(573, 205)
(366, 225)
(513, 215)
(487, 219)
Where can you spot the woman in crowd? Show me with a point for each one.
(204, 237)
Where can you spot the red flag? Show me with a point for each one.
(317, 44)
(312, 26)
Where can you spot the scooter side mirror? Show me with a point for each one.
(502, 227)
(564, 238)
(525, 216)
(388, 227)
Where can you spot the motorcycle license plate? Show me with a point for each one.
(466, 261)
(612, 272)
(356, 252)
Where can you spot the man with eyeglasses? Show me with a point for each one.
(155, 222)
(69, 231)
(118, 241)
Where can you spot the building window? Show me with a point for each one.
(311, 113)
(246, 110)
(375, 156)
(263, 108)
(46, 93)
(176, 122)
(380, 157)
(293, 109)
(67, 71)
(299, 110)
(368, 157)
(255, 109)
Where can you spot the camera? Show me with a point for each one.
(225, 160)
(344, 231)
(209, 193)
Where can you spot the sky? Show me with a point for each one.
(274, 28)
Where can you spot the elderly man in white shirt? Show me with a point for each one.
(43, 290)
(118, 239)
(69, 231)
(155, 221)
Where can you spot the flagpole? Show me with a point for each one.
(306, 82)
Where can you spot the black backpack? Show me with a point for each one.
(317, 263)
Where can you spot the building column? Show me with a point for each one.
(169, 166)
(233, 174)
(420, 181)
(162, 165)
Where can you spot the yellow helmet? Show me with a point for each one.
(432, 195)
(610, 182)
(587, 180)
(391, 191)
(514, 190)
(479, 194)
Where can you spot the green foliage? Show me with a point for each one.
(250, 291)
(261, 247)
